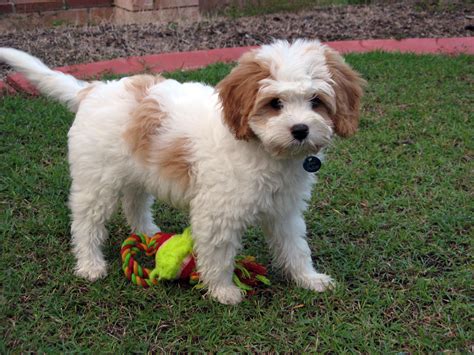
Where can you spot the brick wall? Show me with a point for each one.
(144, 5)
(16, 14)
(25, 6)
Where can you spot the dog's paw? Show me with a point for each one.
(227, 294)
(93, 273)
(316, 282)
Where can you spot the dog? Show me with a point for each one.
(233, 155)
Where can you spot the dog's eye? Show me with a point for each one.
(276, 104)
(315, 102)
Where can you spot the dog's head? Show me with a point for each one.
(291, 97)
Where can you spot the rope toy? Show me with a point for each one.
(175, 260)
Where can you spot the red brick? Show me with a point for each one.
(88, 3)
(67, 17)
(189, 60)
(6, 89)
(165, 4)
(33, 20)
(31, 1)
(155, 63)
(94, 70)
(211, 6)
(38, 6)
(19, 83)
(227, 54)
(98, 14)
(410, 45)
(134, 5)
(190, 13)
(6, 8)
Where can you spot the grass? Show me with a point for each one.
(391, 220)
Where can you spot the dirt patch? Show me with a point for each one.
(72, 45)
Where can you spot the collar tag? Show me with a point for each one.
(312, 164)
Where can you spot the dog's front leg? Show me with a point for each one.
(216, 244)
(286, 237)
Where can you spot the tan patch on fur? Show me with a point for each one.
(140, 84)
(146, 120)
(348, 88)
(143, 134)
(173, 161)
(238, 92)
(147, 116)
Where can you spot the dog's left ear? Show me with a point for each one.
(348, 86)
(238, 92)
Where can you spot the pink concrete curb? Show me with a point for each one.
(450, 46)
(197, 59)
(6, 89)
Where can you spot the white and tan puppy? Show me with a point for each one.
(232, 154)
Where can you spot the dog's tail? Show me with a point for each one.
(60, 86)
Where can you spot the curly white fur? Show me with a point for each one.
(232, 182)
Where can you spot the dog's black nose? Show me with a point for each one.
(300, 131)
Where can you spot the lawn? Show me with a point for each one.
(390, 219)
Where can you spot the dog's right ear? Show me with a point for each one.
(238, 92)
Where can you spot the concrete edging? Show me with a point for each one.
(197, 59)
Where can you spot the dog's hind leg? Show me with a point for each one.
(136, 204)
(91, 207)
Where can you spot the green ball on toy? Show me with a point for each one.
(174, 258)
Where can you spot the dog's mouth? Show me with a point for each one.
(304, 147)
(294, 149)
